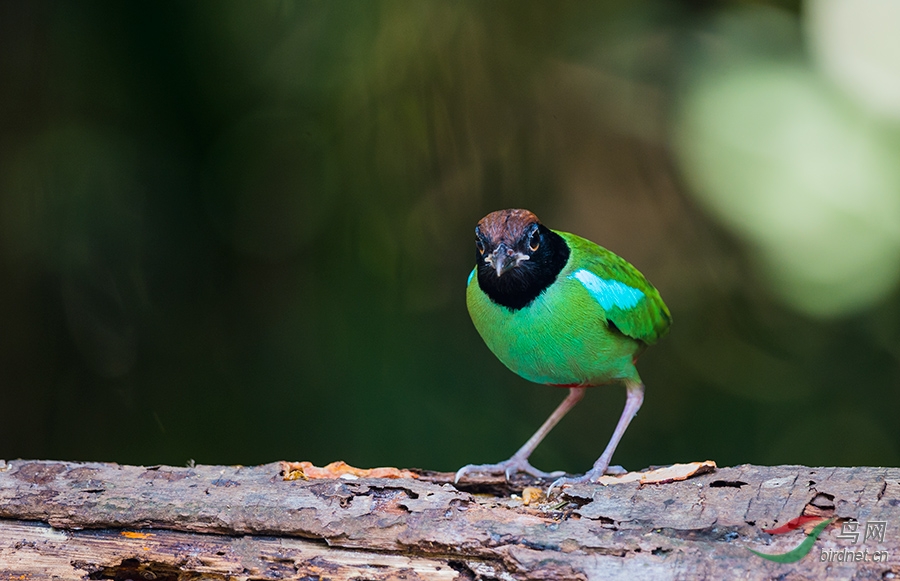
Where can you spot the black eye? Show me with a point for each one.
(479, 245)
(535, 241)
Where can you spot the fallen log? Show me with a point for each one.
(107, 521)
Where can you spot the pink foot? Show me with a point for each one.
(507, 468)
(592, 475)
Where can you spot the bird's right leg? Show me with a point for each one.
(633, 400)
(519, 461)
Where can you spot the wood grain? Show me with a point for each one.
(95, 520)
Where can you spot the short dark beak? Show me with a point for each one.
(503, 259)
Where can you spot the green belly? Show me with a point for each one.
(561, 338)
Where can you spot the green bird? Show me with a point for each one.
(560, 310)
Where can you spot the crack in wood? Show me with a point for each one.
(248, 523)
(727, 484)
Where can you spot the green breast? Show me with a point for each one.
(561, 338)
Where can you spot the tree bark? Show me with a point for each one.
(106, 521)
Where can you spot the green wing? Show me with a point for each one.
(631, 303)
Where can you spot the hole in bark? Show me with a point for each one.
(134, 569)
(390, 500)
(660, 551)
(608, 523)
(460, 504)
(577, 501)
(465, 574)
(823, 500)
(726, 484)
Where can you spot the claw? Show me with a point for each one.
(462, 472)
(592, 475)
(466, 469)
(555, 484)
(508, 468)
(565, 481)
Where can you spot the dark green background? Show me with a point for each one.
(240, 232)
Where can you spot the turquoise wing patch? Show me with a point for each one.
(609, 293)
(471, 275)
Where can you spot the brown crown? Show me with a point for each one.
(507, 225)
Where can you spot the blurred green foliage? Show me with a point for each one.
(239, 232)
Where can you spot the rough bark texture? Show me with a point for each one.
(105, 521)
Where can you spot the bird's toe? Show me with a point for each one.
(592, 475)
(508, 468)
(464, 470)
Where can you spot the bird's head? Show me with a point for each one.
(505, 239)
(517, 257)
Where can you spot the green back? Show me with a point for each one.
(649, 319)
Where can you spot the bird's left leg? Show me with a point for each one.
(633, 400)
(519, 461)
